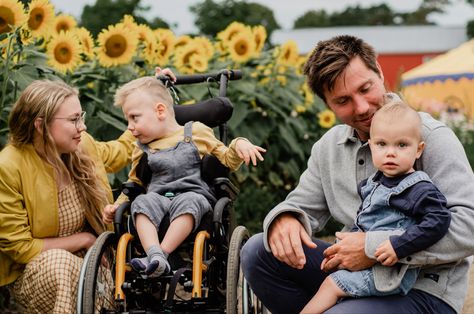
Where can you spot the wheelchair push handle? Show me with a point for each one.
(230, 75)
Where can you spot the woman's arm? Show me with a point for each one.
(72, 243)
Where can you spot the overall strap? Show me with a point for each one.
(143, 147)
(188, 131)
(411, 180)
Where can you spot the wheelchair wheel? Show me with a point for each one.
(239, 296)
(98, 287)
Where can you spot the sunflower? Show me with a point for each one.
(151, 46)
(117, 45)
(327, 118)
(231, 30)
(64, 22)
(182, 41)
(259, 36)
(143, 31)
(288, 54)
(241, 47)
(11, 14)
(86, 41)
(166, 40)
(64, 52)
(308, 94)
(206, 44)
(129, 22)
(183, 57)
(198, 63)
(300, 108)
(40, 18)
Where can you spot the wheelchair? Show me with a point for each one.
(206, 275)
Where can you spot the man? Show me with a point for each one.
(283, 265)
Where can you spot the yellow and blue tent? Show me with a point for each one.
(447, 80)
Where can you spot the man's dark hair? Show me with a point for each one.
(330, 58)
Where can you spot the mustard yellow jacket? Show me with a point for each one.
(29, 198)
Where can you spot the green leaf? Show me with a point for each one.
(288, 136)
(112, 121)
(93, 97)
(24, 76)
(274, 179)
(239, 114)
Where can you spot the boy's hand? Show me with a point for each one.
(249, 152)
(108, 213)
(385, 254)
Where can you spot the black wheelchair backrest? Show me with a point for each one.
(212, 112)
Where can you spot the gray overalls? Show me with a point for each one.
(176, 172)
(376, 214)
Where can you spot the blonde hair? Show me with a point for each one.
(397, 111)
(148, 84)
(42, 99)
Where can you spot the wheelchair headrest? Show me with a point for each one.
(211, 112)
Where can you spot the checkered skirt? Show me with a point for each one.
(49, 281)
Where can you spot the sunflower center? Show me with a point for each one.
(241, 48)
(287, 54)
(7, 18)
(115, 46)
(62, 53)
(36, 19)
(62, 27)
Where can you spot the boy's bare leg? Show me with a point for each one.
(177, 232)
(325, 298)
(146, 231)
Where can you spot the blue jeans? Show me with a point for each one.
(286, 290)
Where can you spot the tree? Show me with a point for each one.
(420, 16)
(108, 12)
(375, 15)
(212, 17)
(470, 29)
(312, 18)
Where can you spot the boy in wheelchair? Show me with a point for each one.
(174, 155)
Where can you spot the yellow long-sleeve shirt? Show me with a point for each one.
(29, 198)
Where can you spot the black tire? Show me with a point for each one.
(98, 286)
(239, 296)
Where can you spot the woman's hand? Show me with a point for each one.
(166, 71)
(249, 152)
(108, 213)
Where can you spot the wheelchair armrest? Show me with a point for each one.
(225, 186)
(119, 215)
(132, 190)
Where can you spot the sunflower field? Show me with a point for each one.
(273, 106)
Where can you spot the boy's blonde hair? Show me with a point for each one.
(148, 84)
(398, 111)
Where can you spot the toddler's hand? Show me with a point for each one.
(249, 152)
(385, 254)
(108, 213)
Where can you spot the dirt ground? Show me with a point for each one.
(469, 304)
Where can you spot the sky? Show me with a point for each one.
(176, 12)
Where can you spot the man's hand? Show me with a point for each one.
(385, 254)
(286, 237)
(108, 213)
(348, 253)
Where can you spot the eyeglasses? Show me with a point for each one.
(77, 120)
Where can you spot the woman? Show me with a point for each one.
(53, 187)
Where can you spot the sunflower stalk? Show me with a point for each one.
(6, 70)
